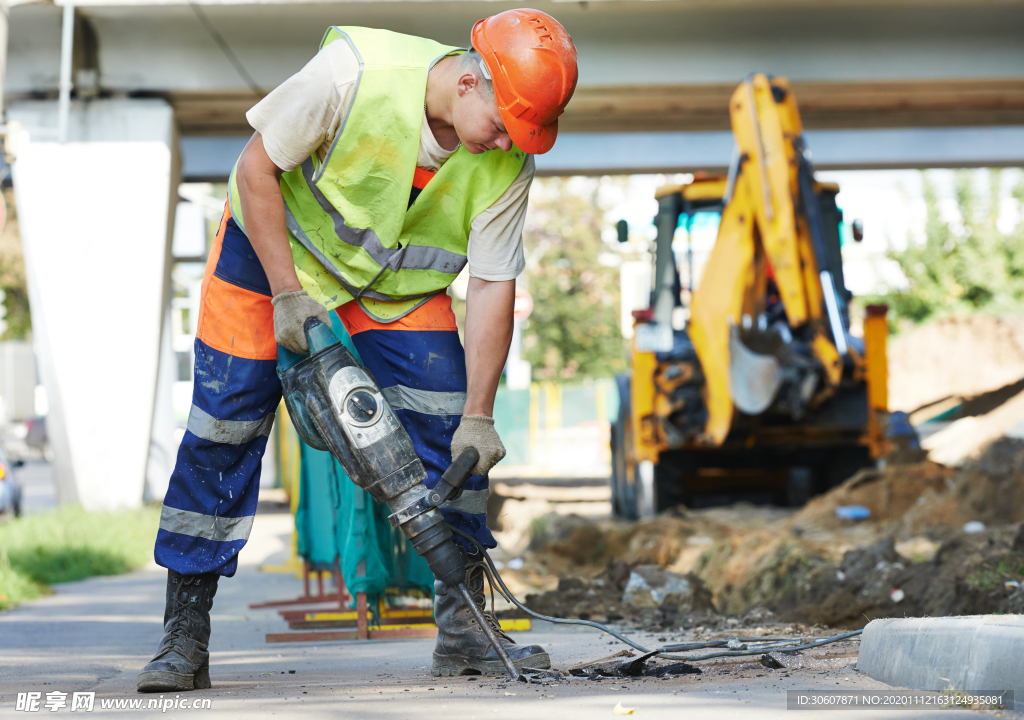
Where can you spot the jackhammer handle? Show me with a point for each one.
(457, 473)
(460, 470)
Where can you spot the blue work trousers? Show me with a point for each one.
(418, 361)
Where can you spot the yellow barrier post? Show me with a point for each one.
(552, 421)
(876, 359)
(534, 432)
(289, 468)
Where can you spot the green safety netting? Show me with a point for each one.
(335, 518)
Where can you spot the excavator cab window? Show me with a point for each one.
(700, 225)
(699, 218)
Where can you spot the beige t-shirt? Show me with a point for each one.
(303, 114)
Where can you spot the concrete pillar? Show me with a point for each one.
(96, 228)
(17, 381)
(5, 12)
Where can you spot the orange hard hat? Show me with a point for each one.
(532, 63)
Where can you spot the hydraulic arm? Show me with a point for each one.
(770, 220)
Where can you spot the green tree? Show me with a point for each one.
(574, 329)
(965, 264)
(12, 276)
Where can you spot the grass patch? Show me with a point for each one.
(988, 578)
(70, 544)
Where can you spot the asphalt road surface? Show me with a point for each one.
(94, 635)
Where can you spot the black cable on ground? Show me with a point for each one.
(761, 649)
(763, 644)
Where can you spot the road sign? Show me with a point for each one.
(523, 305)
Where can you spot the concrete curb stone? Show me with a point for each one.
(969, 653)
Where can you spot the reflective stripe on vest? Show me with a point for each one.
(410, 257)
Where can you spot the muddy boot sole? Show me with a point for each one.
(166, 681)
(455, 665)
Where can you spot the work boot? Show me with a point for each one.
(462, 648)
(182, 662)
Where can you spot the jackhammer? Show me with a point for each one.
(336, 406)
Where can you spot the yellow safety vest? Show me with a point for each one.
(354, 233)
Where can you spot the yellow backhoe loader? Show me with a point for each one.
(754, 387)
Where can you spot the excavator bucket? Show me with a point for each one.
(754, 379)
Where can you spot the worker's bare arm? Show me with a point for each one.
(488, 334)
(263, 209)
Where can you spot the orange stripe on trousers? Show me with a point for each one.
(234, 320)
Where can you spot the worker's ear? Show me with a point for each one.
(468, 82)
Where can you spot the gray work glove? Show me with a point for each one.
(478, 431)
(291, 310)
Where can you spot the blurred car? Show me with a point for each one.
(35, 435)
(10, 488)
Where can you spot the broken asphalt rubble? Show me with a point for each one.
(638, 667)
(647, 594)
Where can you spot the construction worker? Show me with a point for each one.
(375, 175)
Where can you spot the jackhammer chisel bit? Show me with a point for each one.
(450, 488)
(492, 636)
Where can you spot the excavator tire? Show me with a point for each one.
(625, 502)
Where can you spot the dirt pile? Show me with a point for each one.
(989, 489)
(888, 494)
(973, 431)
(970, 574)
(962, 355)
(912, 555)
